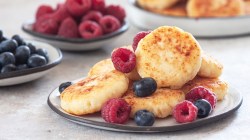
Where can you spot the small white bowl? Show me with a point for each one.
(75, 44)
(199, 27)
(26, 75)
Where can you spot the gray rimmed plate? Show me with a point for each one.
(230, 104)
(22, 76)
(75, 44)
(199, 27)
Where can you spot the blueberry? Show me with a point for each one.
(32, 48)
(18, 39)
(22, 66)
(8, 46)
(3, 39)
(144, 118)
(22, 54)
(43, 52)
(144, 87)
(36, 60)
(7, 58)
(1, 34)
(8, 68)
(204, 108)
(63, 86)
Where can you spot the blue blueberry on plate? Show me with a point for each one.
(63, 86)
(144, 118)
(204, 108)
(22, 67)
(144, 87)
(22, 54)
(43, 52)
(36, 61)
(18, 39)
(7, 58)
(8, 68)
(8, 45)
(32, 48)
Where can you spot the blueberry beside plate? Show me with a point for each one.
(75, 44)
(26, 75)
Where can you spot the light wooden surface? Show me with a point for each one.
(24, 113)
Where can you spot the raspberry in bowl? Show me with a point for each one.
(78, 25)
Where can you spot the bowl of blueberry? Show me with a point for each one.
(25, 60)
(78, 25)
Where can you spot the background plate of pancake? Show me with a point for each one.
(230, 104)
(210, 18)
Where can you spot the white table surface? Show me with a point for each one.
(24, 113)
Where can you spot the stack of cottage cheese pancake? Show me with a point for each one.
(197, 8)
(169, 55)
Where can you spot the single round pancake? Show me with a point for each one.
(215, 8)
(176, 10)
(247, 7)
(106, 66)
(169, 55)
(210, 67)
(88, 96)
(160, 103)
(219, 87)
(156, 4)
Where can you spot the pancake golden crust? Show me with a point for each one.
(210, 67)
(247, 7)
(176, 10)
(88, 96)
(160, 103)
(106, 65)
(169, 55)
(156, 4)
(219, 87)
(215, 8)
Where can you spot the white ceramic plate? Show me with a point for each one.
(199, 27)
(223, 109)
(73, 44)
(22, 76)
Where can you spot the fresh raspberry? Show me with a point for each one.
(98, 5)
(61, 13)
(185, 111)
(116, 11)
(90, 29)
(68, 29)
(93, 16)
(138, 37)
(123, 60)
(109, 24)
(43, 10)
(78, 8)
(46, 24)
(201, 93)
(116, 110)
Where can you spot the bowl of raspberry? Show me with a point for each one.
(78, 25)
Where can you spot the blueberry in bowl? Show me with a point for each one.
(25, 60)
(90, 27)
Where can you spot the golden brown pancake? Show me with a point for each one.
(160, 103)
(169, 55)
(219, 87)
(156, 4)
(88, 95)
(215, 8)
(176, 10)
(210, 67)
(247, 7)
